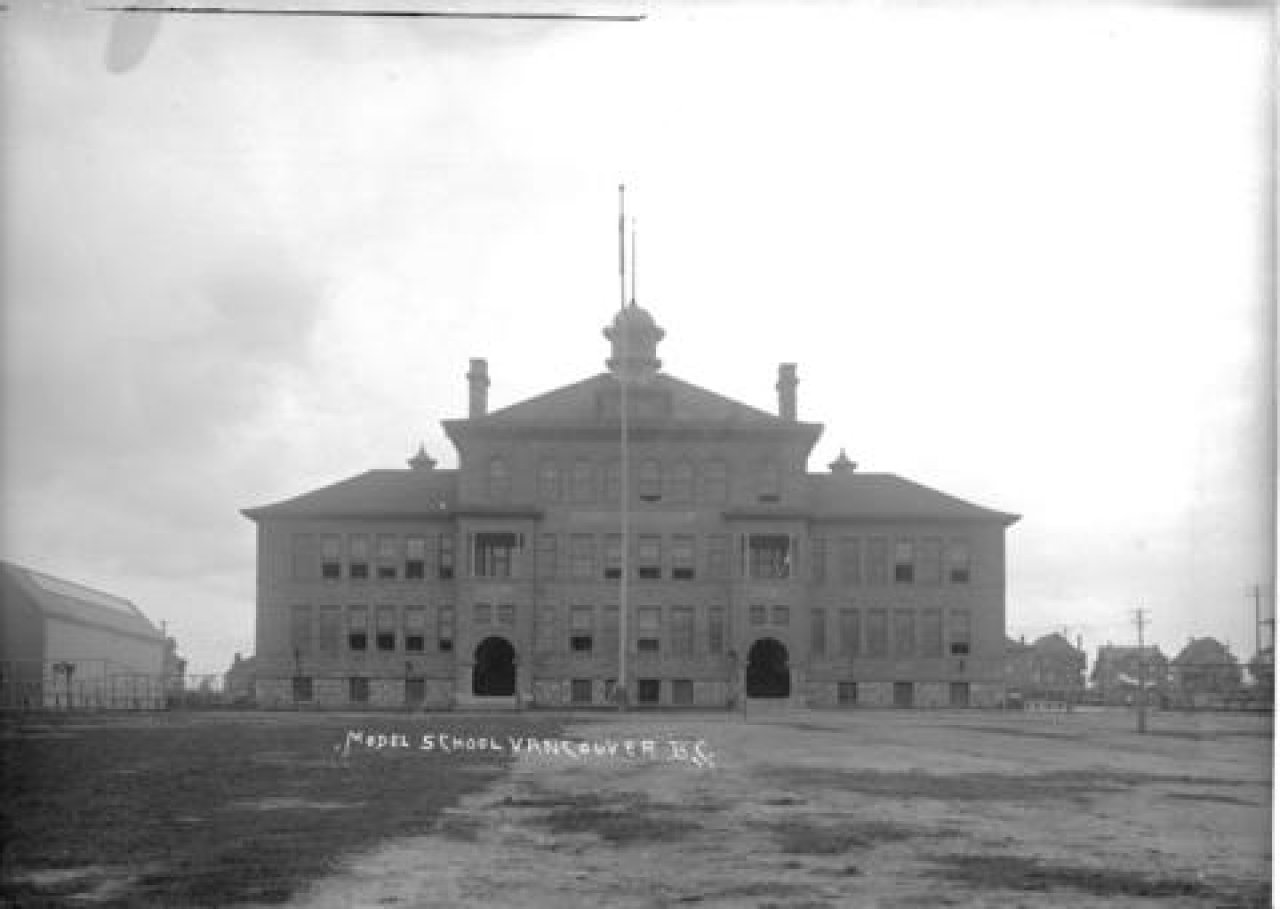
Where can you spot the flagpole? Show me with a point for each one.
(624, 467)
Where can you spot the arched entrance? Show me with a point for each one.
(768, 674)
(494, 674)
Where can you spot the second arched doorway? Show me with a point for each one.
(494, 673)
(768, 670)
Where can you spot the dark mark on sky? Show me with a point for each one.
(371, 13)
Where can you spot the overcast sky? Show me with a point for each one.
(1019, 251)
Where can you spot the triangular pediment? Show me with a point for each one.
(663, 397)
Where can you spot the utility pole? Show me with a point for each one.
(1140, 616)
(1257, 593)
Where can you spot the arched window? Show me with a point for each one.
(549, 481)
(715, 482)
(680, 486)
(650, 480)
(769, 482)
(499, 480)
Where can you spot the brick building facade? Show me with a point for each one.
(501, 581)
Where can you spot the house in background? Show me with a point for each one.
(66, 645)
(237, 683)
(1117, 670)
(1051, 668)
(1205, 674)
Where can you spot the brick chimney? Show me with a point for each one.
(478, 383)
(786, 386)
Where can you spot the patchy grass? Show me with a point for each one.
(1012, 872)
(173, 809)
(1072, 785)
(1209, 797)
(623, 819)
(802, 837)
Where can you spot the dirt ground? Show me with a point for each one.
(850, 809)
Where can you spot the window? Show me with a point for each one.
(904, 562)
(544, 640)
(609, 629)
(877, 558)
(499, 480)
(482, 614)
(931, 632)
(759, 615)
(610, 691)
(958, 562)
(818, 632)
(959, 628)
(506, 614)
(546, 555)
(781, 616)
(415, 558)
(850, 560)
(613, 556)
(330, 631)
(583, 481)
(846, 693)
(718, 556)
(877, 633)
(415, 629)
(613, 481)
(330, 557)
(682, 558)
(649, 558)
(680, 486)
(446, 556)
(769, 483)
(358, 690)
(819, 545)
(650, 480)
(494, 555)
(300, 630)
(549, 481)
(682, 692)
(358, 553)
(850, 632)
(580, 691)
(303, 692)
(582, 555)
(388, 557)
(649, 624)
(444, 629)
(930, 563)
(303, 564)
(648, 691)
(386, 628)
(715, 482)
(715, 631)
(769, 555)
(357, 628)
(682, 631)
(581, 626)
(904, 632)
